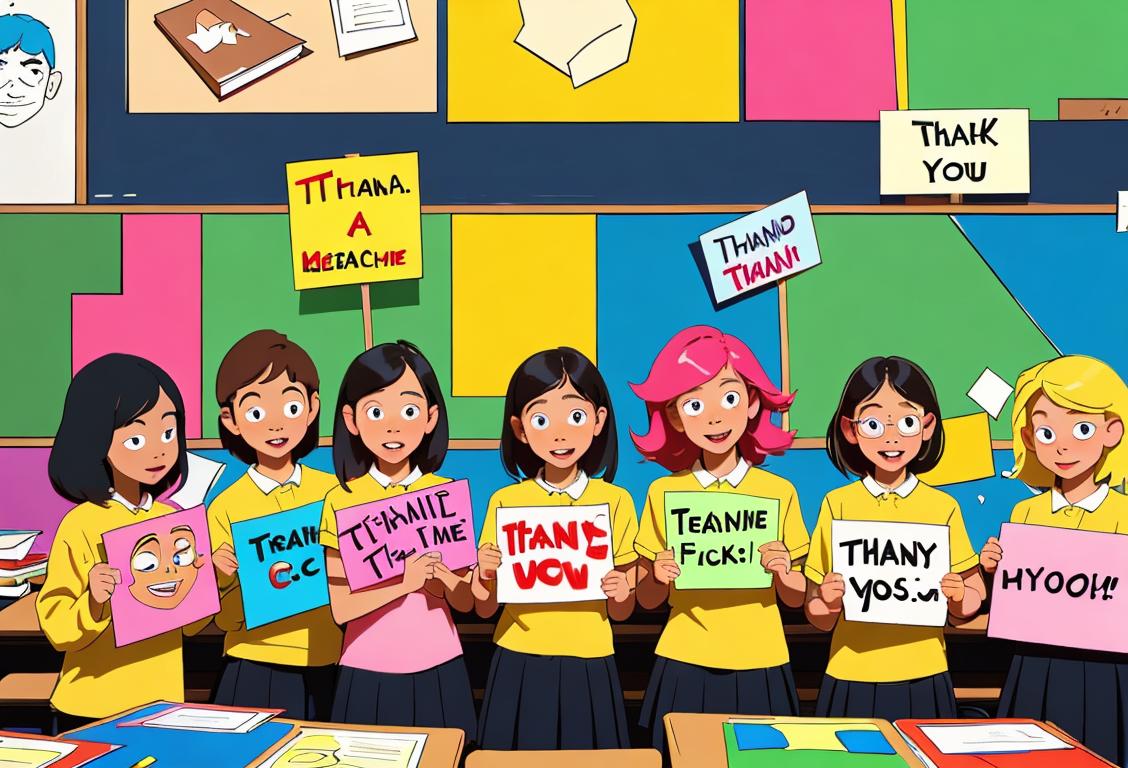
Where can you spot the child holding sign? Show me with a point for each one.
(402, 659)
(553, 683)
(710, 405)
(120, 445)
(266, 388)
(1069, 439)
(886, 429)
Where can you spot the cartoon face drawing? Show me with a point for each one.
(28, 78)
(164, 568)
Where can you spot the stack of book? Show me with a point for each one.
(17, 565)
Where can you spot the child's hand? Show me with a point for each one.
(616, 586)
(418, 569)
(489, 560)
(775, 558)
(952, 585)
(224, 560)
(666, 569)
(102, 581)
(991, 555)
(831, 591)
(449, 578)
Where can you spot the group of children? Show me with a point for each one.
(553, 681)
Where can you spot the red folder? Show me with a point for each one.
(1077, 757)
(84, 751)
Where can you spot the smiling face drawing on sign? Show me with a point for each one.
(164, 568)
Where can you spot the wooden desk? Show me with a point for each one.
(697, 741)
(442, 750)
(20, 620)
(590, 758)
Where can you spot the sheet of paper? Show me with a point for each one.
(349, 749)
(365, 25)
(991, 738)
(31, 753)
(584, 39)
(202, 477)
(15, 545)
(1122, 211)
(990, 392)
(207, 719)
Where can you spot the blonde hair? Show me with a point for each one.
(1078, 383)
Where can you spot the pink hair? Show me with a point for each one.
(691, 358)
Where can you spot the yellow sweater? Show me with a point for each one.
(310, 639)
(97, 679)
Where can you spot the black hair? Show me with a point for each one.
(105, 395)
(541, 373)
(373, 370)
(908, 380)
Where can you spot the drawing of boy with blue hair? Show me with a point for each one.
(28, 77)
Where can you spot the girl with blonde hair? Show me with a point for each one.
(1068, 440)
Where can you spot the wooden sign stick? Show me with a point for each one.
(365, 298)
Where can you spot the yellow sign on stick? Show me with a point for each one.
(355, 220)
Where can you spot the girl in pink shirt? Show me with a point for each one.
(402, 660)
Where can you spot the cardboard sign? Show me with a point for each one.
(281, 564)
(945, 151)
(892, 571)
(376, 538)
(553, 554)
(760, 249)
(715, 538)
(1061, 587)
(355, 220)
(167, 578)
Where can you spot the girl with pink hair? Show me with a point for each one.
(710, 405)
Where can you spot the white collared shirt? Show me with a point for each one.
(385, 481)
(903, 490)
(734, 478)
(266, 484)
(1089, 503)
(146, 502)
(574, 490)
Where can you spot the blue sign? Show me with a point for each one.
(281, 564)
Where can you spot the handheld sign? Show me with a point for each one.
(281, 564)
(376, 538)
(715, 538)
(1072, 576)
(553, 554)
(355, 220)
(945, 151)
(760, 249)
(892, 571)
(167, 578)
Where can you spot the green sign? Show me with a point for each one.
(715, 538)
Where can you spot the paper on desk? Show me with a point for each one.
(207, 718)
(991, 738)
(349, 749)
(365, 25)
(584, 39)
(31, 753)
(201, 477)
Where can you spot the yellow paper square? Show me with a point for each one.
(967, 451)
(519, 284)
(684, 66)
(355, 220)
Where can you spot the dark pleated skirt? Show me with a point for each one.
(438, 697)
(679, 687)
(1084, 694)
(552, 702)
(305, 693)
(926, 697)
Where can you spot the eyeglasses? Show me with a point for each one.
(873, 427)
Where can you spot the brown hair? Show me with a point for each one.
(257, 354)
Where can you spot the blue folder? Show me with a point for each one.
(180, 749)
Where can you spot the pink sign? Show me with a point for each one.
(376, 538)
(1061, 587)
(167, 578)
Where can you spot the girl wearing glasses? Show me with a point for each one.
(887, 428)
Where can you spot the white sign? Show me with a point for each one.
(892, 571)
(761, 248)
(553, 554)
(1122, 212)
(944, 151)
